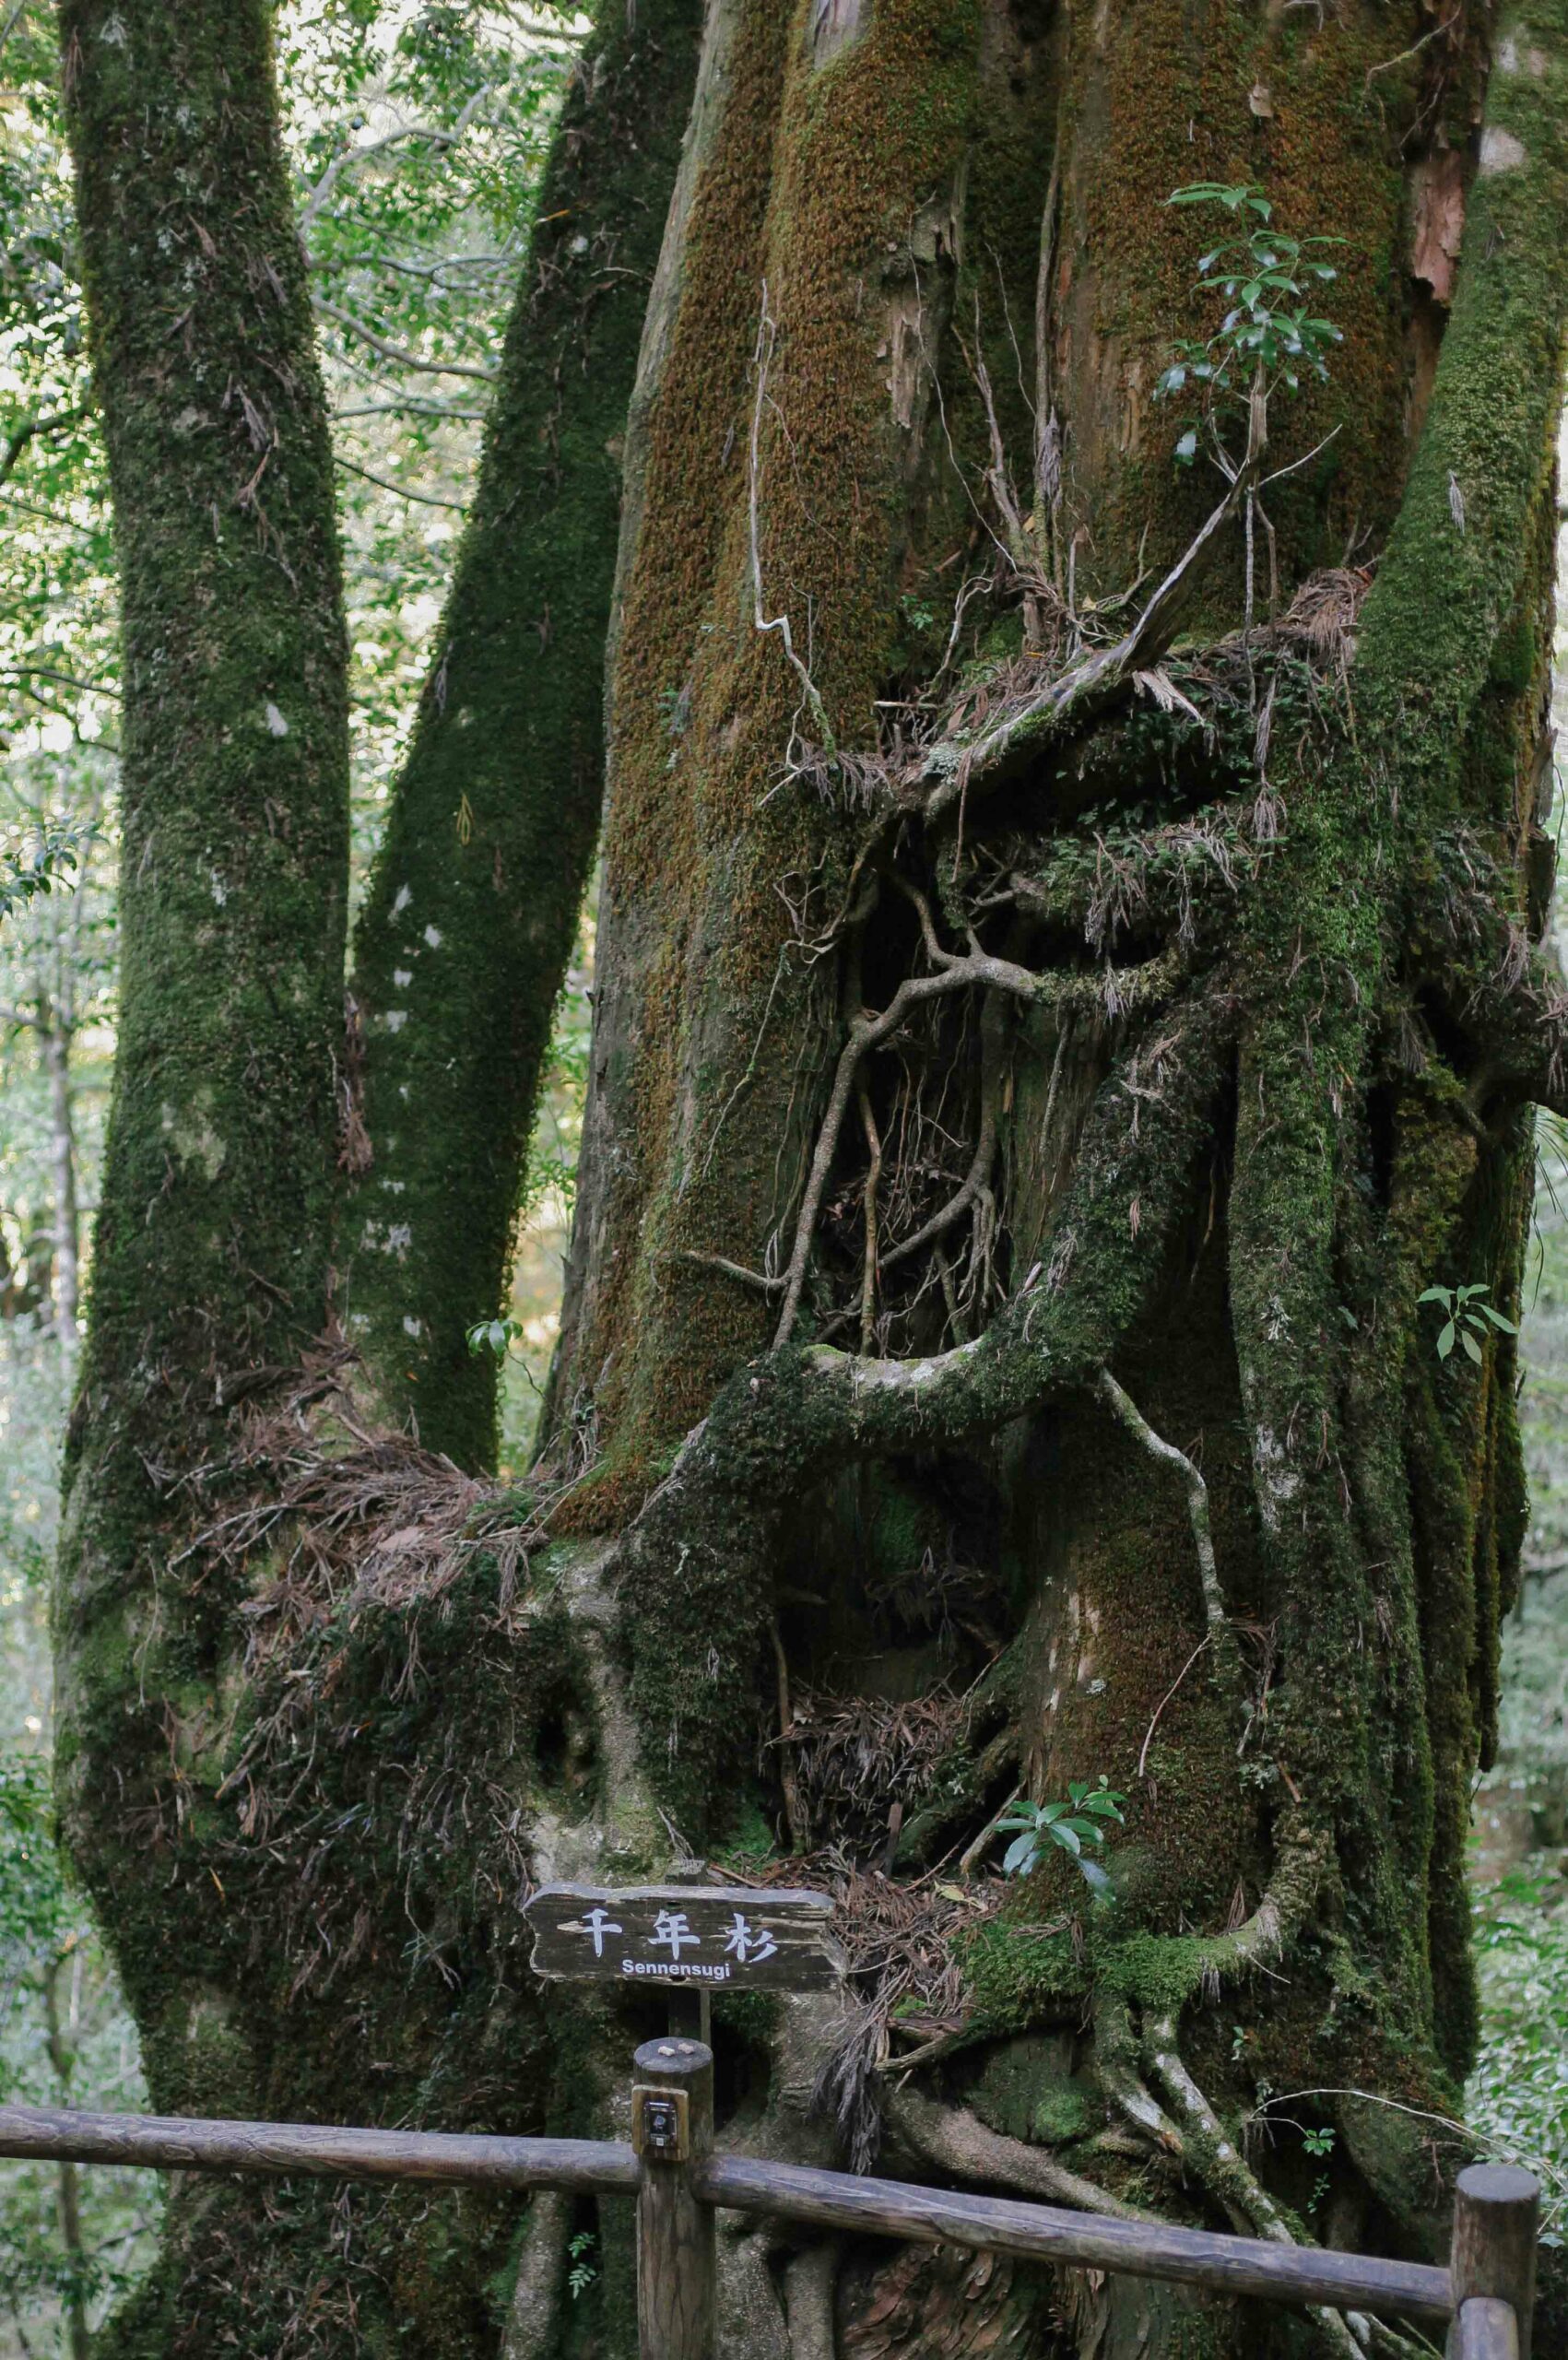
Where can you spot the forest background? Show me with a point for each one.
(416, 133)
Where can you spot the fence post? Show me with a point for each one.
(1496, 2213)
(672, 2130)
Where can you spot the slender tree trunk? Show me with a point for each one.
(213, 1244)
(474, 904)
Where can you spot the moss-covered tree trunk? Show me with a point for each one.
(213, 1246)
(1061, 1004)
(1065, 994)
(473, 904)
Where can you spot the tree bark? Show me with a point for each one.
(474, 904)
(213, 1242)
(54, 1039)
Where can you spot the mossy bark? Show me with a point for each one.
(214, 1241)
(1236, 1190)
(1039, 1065)
(474, 902)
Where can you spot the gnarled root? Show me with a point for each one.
(1118, 2062)
(1216, 2162)
(811, 2283)
(531, 2322)
(955, 2141)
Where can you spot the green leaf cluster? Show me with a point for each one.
(1466, 1319)
(1081, 1820)
(1269, 336)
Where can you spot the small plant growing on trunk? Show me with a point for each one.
(1079, 1821)
(1466, 1320)
(1268, 337)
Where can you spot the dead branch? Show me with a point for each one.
(868, 1199)
(984, 1151)
(1047, 427)
(755, 1280)
(1114, 992)
(398, 353)
(865, 1033)
(950, 766)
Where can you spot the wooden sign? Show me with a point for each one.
(705, 1937)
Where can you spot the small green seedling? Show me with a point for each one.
(1268, 336)
(496, 1336)
(1072, 1825)
(1466, 1320)
(584, 2268)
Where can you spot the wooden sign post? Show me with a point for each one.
(692, 1940)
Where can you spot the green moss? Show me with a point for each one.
(828, 179)
(1018, 1974)
(1323, 154)
(1025, 2092)
(1446, 592)
(467, 927)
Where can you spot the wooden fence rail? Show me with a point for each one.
(1485, 2295)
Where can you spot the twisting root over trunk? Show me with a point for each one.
(700, 1551)
(1222, 1637)
(1217, 2164)
(1118, 2063)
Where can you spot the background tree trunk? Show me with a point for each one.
(214, 1241)
(1058, 1008)
(473, 904)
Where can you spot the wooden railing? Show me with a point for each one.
(1484, 2296)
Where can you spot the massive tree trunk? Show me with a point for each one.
(1066, 992)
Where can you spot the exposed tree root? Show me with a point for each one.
(1067, 701)
(1140, 987)
(1219, 2166)
(1119, 2064)
(954, 2141)
(1224, 1655)
(811, 2280)
(533, 2317)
